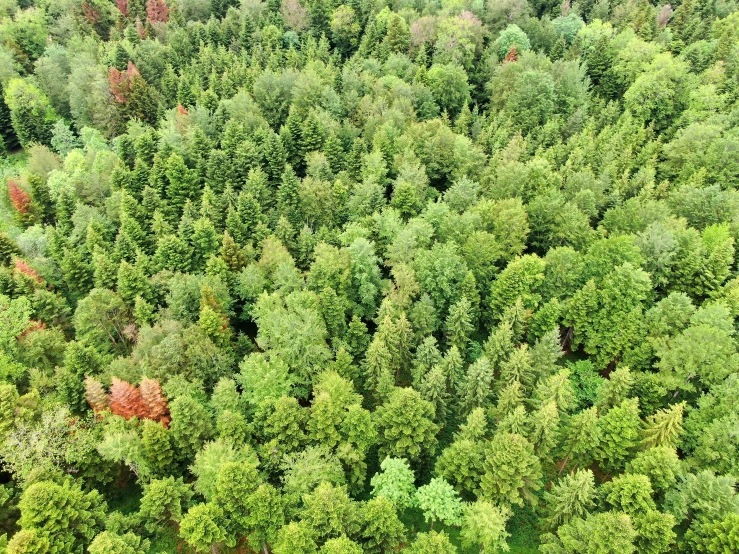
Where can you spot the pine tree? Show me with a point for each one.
(477, 388)
(79, 360)
(8, 249)
(95, 395)
(60, 517)
(43, 206)
(544, 429)
(405, 425)
(7, 133)
(77, 272)
(518, 367)
(433, 388)
(334, 153)
(235, 226)
(517, 422)
(132, 283)
(182, 184)
(212, 319)
(125, 399)
(485, 524)
(570, 498)
(510, 398)
(312, 135)
(512, 470)
(275, 156)
(616, 389)
(397, 38)
(461, 463)
(31, 113)
(172, 253)
(581, 438)
(232, 254)
(459, 325)
(664, 427)
(250, 213)
(191, 426)
(154, 402)
(288, 199)
(157, 448)
(620, 431)
(202, 527)
(355, 162)
(120, 57)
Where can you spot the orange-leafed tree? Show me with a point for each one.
(21, 267)
(154, 402)
(121, 82)
(157, 11)
(125, 399)
(95, 395)
(21, 202)
(19, 198)
(122, 6)
(512, 55)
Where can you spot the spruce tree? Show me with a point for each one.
(7, 132)
(512, 472)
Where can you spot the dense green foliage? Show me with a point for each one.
(303, 277)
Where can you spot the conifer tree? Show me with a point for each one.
(484, 524)
(405, 425)
(157, 448)
(572, 497)
(191, 426)
(581, 437)
(62, 517)
(459, 324)
(95, 395)
(312, 135)
(664, 427)
(512, 472)
(477, 387)
(620, 431)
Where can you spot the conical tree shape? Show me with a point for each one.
(95, 395)
(664, 427)
(155, 404)
(125, 399)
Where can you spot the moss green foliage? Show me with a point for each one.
(302, 277)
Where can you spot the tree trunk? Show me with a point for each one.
(264, 548)
(564, 464)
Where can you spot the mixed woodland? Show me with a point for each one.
(421, 276)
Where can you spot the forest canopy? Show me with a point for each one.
(311, 277)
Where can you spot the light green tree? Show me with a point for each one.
(439, 501)
(571, 497)
(396, 482)
(512, 472)
(405, 425)
(484, 524)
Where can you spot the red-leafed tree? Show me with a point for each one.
(122, 6)
(90, 13)
(157, 11)
(22, 267)
(512, 55)
(95, 395)
(121, 82)
(20, 199)
(125, 399)
(140, 28)
(154, 403)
